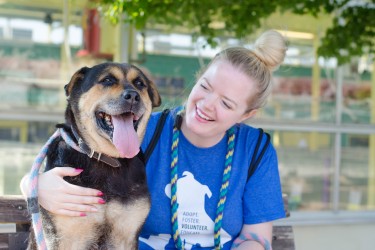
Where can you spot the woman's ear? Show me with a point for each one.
(248, 114)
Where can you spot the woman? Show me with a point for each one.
(214, 205)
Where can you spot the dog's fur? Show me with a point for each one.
(113, 89)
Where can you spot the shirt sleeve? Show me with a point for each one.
(262, 200)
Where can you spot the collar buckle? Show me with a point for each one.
(91, 153)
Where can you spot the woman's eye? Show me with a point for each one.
(227, 105)
(203, 86)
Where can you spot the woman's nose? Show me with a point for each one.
(209, 102)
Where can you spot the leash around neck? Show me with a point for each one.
(32, 196)
(223, 190)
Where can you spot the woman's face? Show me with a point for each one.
(218, 100)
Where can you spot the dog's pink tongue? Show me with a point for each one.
(125, 138)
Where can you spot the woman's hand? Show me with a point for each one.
(60, 197)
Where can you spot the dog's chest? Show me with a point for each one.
(114, 224)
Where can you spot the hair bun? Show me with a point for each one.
(271, 48)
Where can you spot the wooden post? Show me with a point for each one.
(66, 57)
(371, 148)
(315, 95)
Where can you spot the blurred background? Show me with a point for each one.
(321, 114)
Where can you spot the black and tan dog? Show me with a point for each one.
(107, 113)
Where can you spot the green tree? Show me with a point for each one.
(351, 34)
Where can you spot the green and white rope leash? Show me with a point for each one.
(224, 187)
(223, 190)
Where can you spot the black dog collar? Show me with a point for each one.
(92, 154)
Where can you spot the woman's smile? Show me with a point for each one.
(200, 115)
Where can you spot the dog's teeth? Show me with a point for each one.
(108, 120)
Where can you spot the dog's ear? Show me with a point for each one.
(154, 94)
(76, 78)
(152, 90)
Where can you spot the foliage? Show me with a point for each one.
(352, 33)
(353, 30)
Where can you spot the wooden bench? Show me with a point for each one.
(13, 213)
(14, 219)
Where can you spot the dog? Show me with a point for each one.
(106, 116)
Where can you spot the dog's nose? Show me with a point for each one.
(131, 96)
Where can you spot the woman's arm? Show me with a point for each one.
(254, 237)
(60, 197)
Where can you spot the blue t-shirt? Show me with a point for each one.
(200, 172)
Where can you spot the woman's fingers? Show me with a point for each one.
(66, 171)
(78, 190)
(74, 189)
(74, 207)
(70, 213)
(60, 197)
(83, 200)
(73, 203)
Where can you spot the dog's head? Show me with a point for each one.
(109, 105)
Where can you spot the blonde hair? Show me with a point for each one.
(258, 63)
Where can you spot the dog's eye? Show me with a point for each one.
(108, 81)
(139, 83)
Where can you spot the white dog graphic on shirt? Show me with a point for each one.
(195, 226)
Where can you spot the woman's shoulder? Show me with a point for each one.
(168, 114)
(246, 129)
(250, 136)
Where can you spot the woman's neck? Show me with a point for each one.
(199, 140)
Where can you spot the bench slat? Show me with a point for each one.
(14, 241)
(13, 209)
(283, 238)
